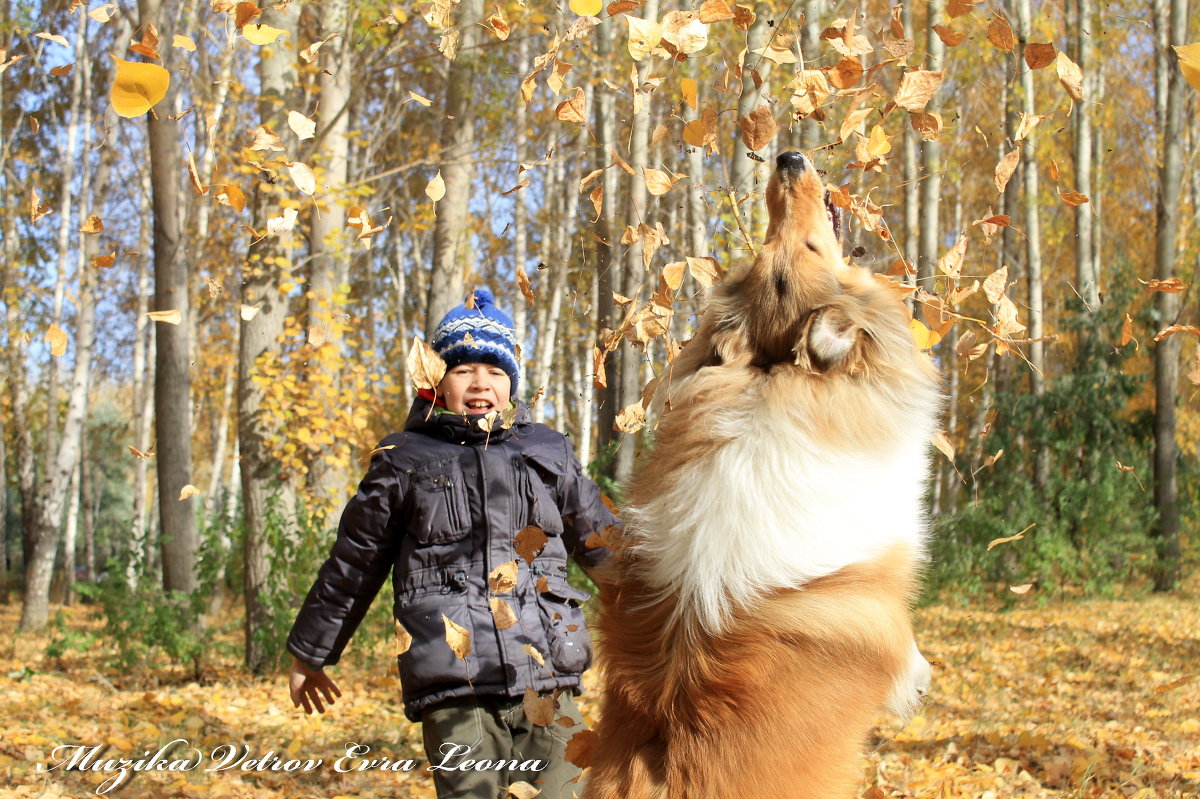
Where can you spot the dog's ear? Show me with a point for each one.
(833, 341)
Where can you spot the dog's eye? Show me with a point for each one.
(808, 243)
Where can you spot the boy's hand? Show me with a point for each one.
(307, 687)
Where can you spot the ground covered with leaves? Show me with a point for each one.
(1045, 699)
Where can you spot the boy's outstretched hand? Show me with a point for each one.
(308, 686)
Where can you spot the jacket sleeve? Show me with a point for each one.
(588, 524)
(357, 566)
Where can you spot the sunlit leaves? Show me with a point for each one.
(1070, 76)
(37, 208)
(917, 88)
(586, 8)
(302, 126)
(137, 87)
(436, 188)
(56, 337)
(1189, 62)
(644, 37)
(425, 367)
(302, 176)
(684, 31)
(262, 34)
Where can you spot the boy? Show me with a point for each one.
(476, 527)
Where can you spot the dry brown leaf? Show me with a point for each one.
(958, 8)
(92, 225)
(928, 125)
(530, 542)
(1127, 330)
(539, 709)
(951, 263)
(105, 261)
(171, 317)
(1166, 332)
(1171, 285)
(436, 188)
(425, 367)
(758, 127)
(917, 88)
(458, 638)
(1000, 34)
(572, 110)
(148, 46)
(503, 615)
(581, 748)
(949, 36)
(1194, 374)
(715, 11)
(521, 790)
(705, 271)
(524, 285)
(401, 641)
(658, 182)
(944, 444)
(846, 73)
(1020, 589)
(1027, 124)
(1005, 168)
(968, 349)
(503, 578)
(1038, 56)
(1070, 76)
(37, 208)
(631, 419)
(1072, 198)
(529, 649)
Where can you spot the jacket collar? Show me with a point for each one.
(423, 418)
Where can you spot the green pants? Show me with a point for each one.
(478, 747)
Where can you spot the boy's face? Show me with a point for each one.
(475, 388)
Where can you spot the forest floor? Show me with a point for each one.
(1053, 698)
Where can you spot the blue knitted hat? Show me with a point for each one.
(483, 334)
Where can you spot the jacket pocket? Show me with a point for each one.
(430, 660)
(566, 632)
(542, 478)
(440, 509)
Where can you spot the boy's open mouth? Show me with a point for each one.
(479, 406)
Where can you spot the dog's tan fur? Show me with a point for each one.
(777, 702)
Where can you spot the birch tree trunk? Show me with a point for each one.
(931, 167)
(262, 279)
(748, 175)
(1166, 352)
(447, 285)
(607, 265)
(1086, 279)
(520, 314)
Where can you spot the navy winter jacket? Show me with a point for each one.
(441, 507)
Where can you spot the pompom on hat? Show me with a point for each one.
(483, 334)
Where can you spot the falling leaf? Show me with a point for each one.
(266, 139)
(758, 127)
(1070, 76)
(917, 88)
(148, 46)
(523, 184)
(968, 349)
(53, 37)
(944, 445)
(1173, 329)
(951, 263)
(137, 87)
(705, 271)
(104, 261)
(689, 89)
(1189, 62)
(499, 26)
(1072, 198)
(958, 8)
(138, 453)
(644, 37)
(1027, 124)
(572, 110)
(103, 13)
(248, 312)
(402, 641)
(1020, 589)
(194, 175)
(581, 748)
(436, 189)
(302, 176)
(925, 338)
(458, 638)
(1171, 285)
(928, 125)
(187, 492)
(171, 317)
(62, 71)
(530, 650)
(425, 367)
(539, 709)
(1005, 168)
(92, 224)
(302, 126)
(524, 285)
(631, 419)
(502, 614)
(183, 43)
(260, 34)
(846, 73)
(880, 143)
(1171, 686)
(1009, 539)
(56, 337)
(949, 36)
(231, 195)
(318, 335)
(995, 285)
(685, 31)
(278, 225)
(503, 578)
(586, 8)
(521, 790)
(422, 100)
(530, 542)
(658, 182)
(1194, 374)
(1127, 330)
(1000, 34)
(1039, 56)
(37, 209)
(715, 11)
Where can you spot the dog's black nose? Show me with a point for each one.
(792, 161)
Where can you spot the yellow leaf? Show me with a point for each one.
(422, 100)
(458, 638)
(302, 126)
(917, 88)
(690, 91)
(425, 367)
(944, 444)
(528, 649)
(172, 317)
(644, 37)
(502, 614)
(261, 34)
(880, 143)
(92, 224)
(402, 641)
(436, 189)
(104, 261)
(503, 578)
(1070, 76)
(658, 182)
(137, 87)
(1005, 168)
(673, 274)
(924, 337)
(187, 492)
(586, 8)
(705, 271)
(573, 109)
(1189, 62)
(103, 13)
(57, 338)
(183, 43)
(232, 196)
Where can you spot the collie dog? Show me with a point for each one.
(754, 620)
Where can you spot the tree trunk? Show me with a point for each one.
(263, 490)
(173, 380)
(447, 284)
(329, 265)
(1166, 352)
(607, 265)
(1086, 279)
(748, 175)
(931, 167)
